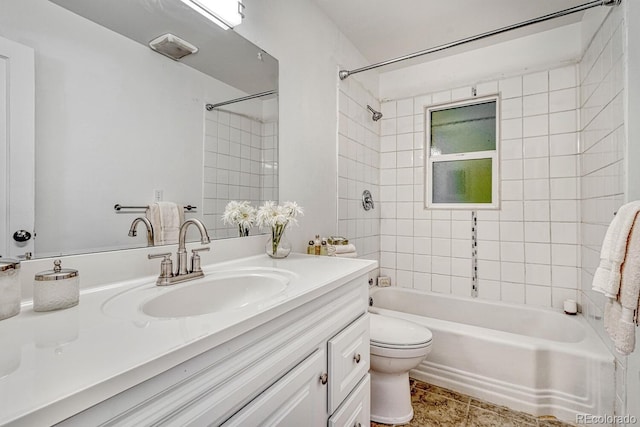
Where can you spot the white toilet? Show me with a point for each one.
(397, 346)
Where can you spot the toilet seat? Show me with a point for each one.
(399, 353)
(398, 334)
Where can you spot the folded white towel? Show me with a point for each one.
(343, 249)
(166, 219)
(347, 255)
(606, 279)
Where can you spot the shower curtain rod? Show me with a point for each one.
(244, 98)
(343, 74)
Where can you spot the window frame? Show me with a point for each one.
(494, 155)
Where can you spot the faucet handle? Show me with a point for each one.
(166, 266)
(204, 248)
(195, 259)
(166, 255)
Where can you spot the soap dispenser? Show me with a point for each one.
(56, 289)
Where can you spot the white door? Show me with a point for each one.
(17, 135)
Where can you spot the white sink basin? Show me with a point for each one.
(215, 294)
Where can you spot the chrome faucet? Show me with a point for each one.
(182, 251)
(147, 223)
(182, 274)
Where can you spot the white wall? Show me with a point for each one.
(358, 168)
(114, 121)
(310, 50)
(602, 148)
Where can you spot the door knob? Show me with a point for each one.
(21, 236)
(324, 378)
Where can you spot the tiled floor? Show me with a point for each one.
(438, 407)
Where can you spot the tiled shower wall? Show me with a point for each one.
(528, 249)
(602, 148)
(240, 163)
(358, 160)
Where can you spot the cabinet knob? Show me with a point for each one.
(357, 425)
(324, 378)
(357, 358)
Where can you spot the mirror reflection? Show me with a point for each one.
(118, 123)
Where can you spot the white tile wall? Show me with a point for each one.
(361, 152)
(249, 148)
(528, 250)
(602, 146)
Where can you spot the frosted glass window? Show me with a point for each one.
(464, 129)
(462, 181)
(461, 154)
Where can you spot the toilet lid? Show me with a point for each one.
(391, 332)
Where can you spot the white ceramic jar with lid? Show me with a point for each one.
(56, 289)
(9, 288)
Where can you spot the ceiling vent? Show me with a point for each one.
(172, 46)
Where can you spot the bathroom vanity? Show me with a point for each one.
(296, 353)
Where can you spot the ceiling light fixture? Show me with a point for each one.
(225, 13)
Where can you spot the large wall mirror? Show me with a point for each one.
(118, 123)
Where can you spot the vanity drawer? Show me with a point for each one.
(297, 399)
(348, 360)
(355, 411)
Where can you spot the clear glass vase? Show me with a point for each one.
(278, 246)
(243, 231)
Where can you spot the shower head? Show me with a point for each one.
(376, 114)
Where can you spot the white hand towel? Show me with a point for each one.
(606, 279)
(166, 218)
(630, 271)
(625, 330)
(344, 249)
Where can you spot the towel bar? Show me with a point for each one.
(118, 207)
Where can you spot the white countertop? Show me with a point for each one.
(55, 364)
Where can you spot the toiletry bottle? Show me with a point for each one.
(317, 245)
(310, 248)
(323, 247)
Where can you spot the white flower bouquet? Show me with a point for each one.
(277, 217)
(241, 214)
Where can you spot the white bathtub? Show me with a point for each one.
(531, 359)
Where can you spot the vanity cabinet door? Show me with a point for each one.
(348, 360)
(356, 410)
(297, 399)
